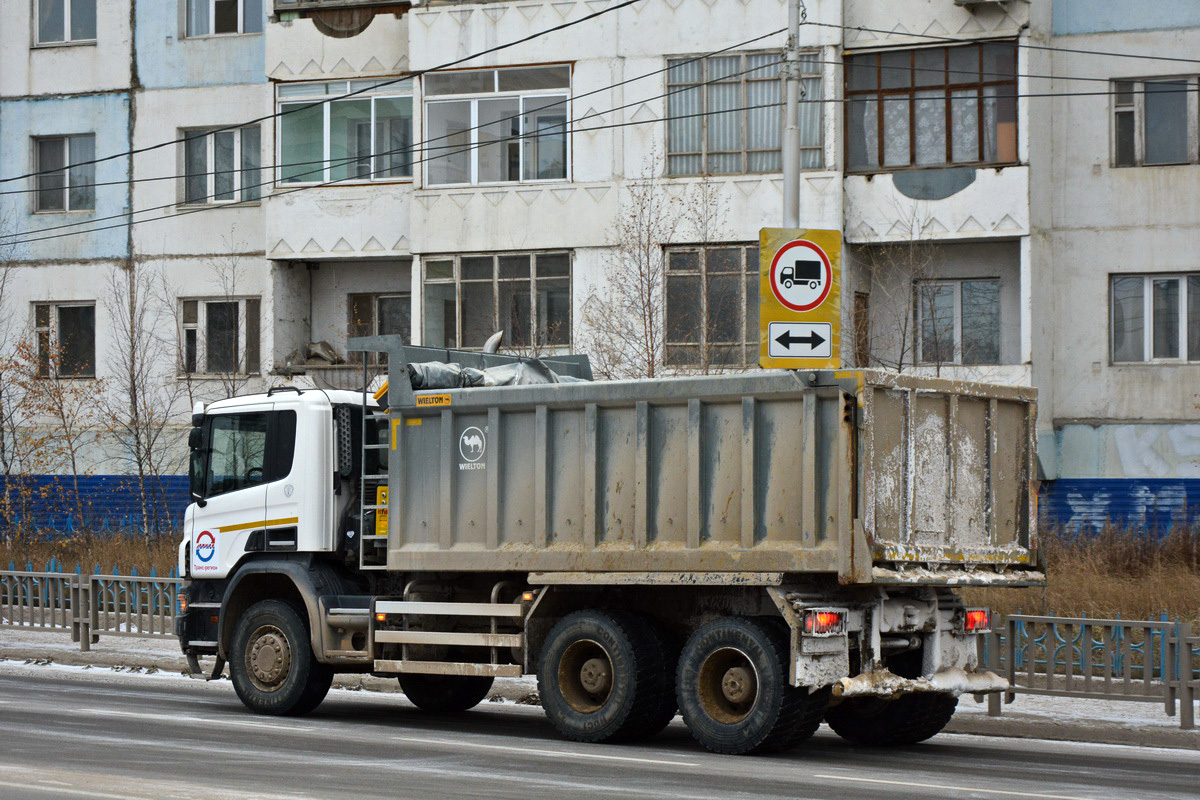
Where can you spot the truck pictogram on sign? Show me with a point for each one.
(801, 275)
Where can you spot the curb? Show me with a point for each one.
(1013, 724)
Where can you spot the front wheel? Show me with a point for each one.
(908, 719)
(445, 693)
(272, 663)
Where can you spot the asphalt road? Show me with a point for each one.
(101, 735)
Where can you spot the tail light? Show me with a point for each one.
(824, 622)
(977, 620)
(181, 598)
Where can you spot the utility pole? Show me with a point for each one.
(791, 128)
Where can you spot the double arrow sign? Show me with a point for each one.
(800, 339)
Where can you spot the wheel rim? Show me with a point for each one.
(727, 685)
(585, 676)
(268, 658)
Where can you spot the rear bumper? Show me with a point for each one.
(952, 681)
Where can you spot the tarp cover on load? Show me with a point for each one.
(439, 375)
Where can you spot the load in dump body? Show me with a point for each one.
(781, 546)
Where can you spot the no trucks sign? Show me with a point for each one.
(800, 299)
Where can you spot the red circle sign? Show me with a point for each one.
(806, 292)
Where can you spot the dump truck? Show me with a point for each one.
(757, 552)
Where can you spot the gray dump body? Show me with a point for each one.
(870, 476)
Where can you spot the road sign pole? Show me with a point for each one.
(791, 127)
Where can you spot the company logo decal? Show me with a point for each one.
(472, 444)
(433, 400)
(206, 547)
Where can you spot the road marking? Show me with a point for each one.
(76, 791)
(102, 712)
(555, 753)
(950, 788)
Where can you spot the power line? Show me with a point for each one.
(357, 159)
(964, 40)
(409, 76)
(323, 184)
(281, 165)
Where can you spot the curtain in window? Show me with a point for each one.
(198, 23)
(251, 162)
(724, 129)
(82, 177)
(1128, 319)
(195, 167)
(1165, 313)
(929, 109)
(684, 132)
(52, 20)
(224, 177)
(764, 125)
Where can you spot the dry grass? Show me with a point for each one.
(89, 550)
(1114, 573)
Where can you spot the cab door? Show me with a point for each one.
(234, 499)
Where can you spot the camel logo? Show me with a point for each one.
(471, 446)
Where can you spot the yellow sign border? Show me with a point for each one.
(770, 241)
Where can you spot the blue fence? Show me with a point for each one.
(110, 503)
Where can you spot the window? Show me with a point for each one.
(526, 295)
(66, 339)
(712, 306)
(935, 106)
(65, 180)
(1154, 122)
(1155, 318)
(362, 138)
(209, 17)
(379, 315)
(745, 136)
(958, 322)
(62, 21)
(237, 452)
(220, 336)
(505, 125)
(222, 166)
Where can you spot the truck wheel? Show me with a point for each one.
(733, 689)
(908, 719)
(601, 677)
(445, 693)
(272, 664)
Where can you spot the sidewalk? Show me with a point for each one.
(1028, 717)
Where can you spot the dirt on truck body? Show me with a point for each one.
(760, 552)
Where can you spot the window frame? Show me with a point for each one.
(187, 135)
(750, 344)
(241, 17)
(1136, 107)
(743, 79)
(1148, 357)
(39, 174)
(370, 326)
(193, 356)
(918, 324)
(66, 41)
(496, 282)
(292, 94)
(473, 148)
(46, 336)
(948, 86)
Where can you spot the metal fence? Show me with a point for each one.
(89, 605)
(1111, 659)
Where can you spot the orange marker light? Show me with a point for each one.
(381, 617)
(182, 599)
(527, 597)
(978, 620)
(824, 623)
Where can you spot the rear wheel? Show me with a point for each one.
(446, 693)
(908, 719)
(733, 689)
(272, 663)
(601, 677)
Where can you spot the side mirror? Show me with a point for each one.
(195, 438)
(198, 413)
(196, 476)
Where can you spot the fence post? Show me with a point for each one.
(81, 611)
(1184, 676)
(993, 642)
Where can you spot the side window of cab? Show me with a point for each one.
(237, 452)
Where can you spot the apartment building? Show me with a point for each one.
(343, 167)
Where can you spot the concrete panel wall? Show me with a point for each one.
(27, 68)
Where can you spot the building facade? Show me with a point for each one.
(1015, 209)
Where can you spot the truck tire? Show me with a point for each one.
(445, 693)
(733, 689)
(908, 719)
(601, 677)
(665, 704)
(271, 662)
